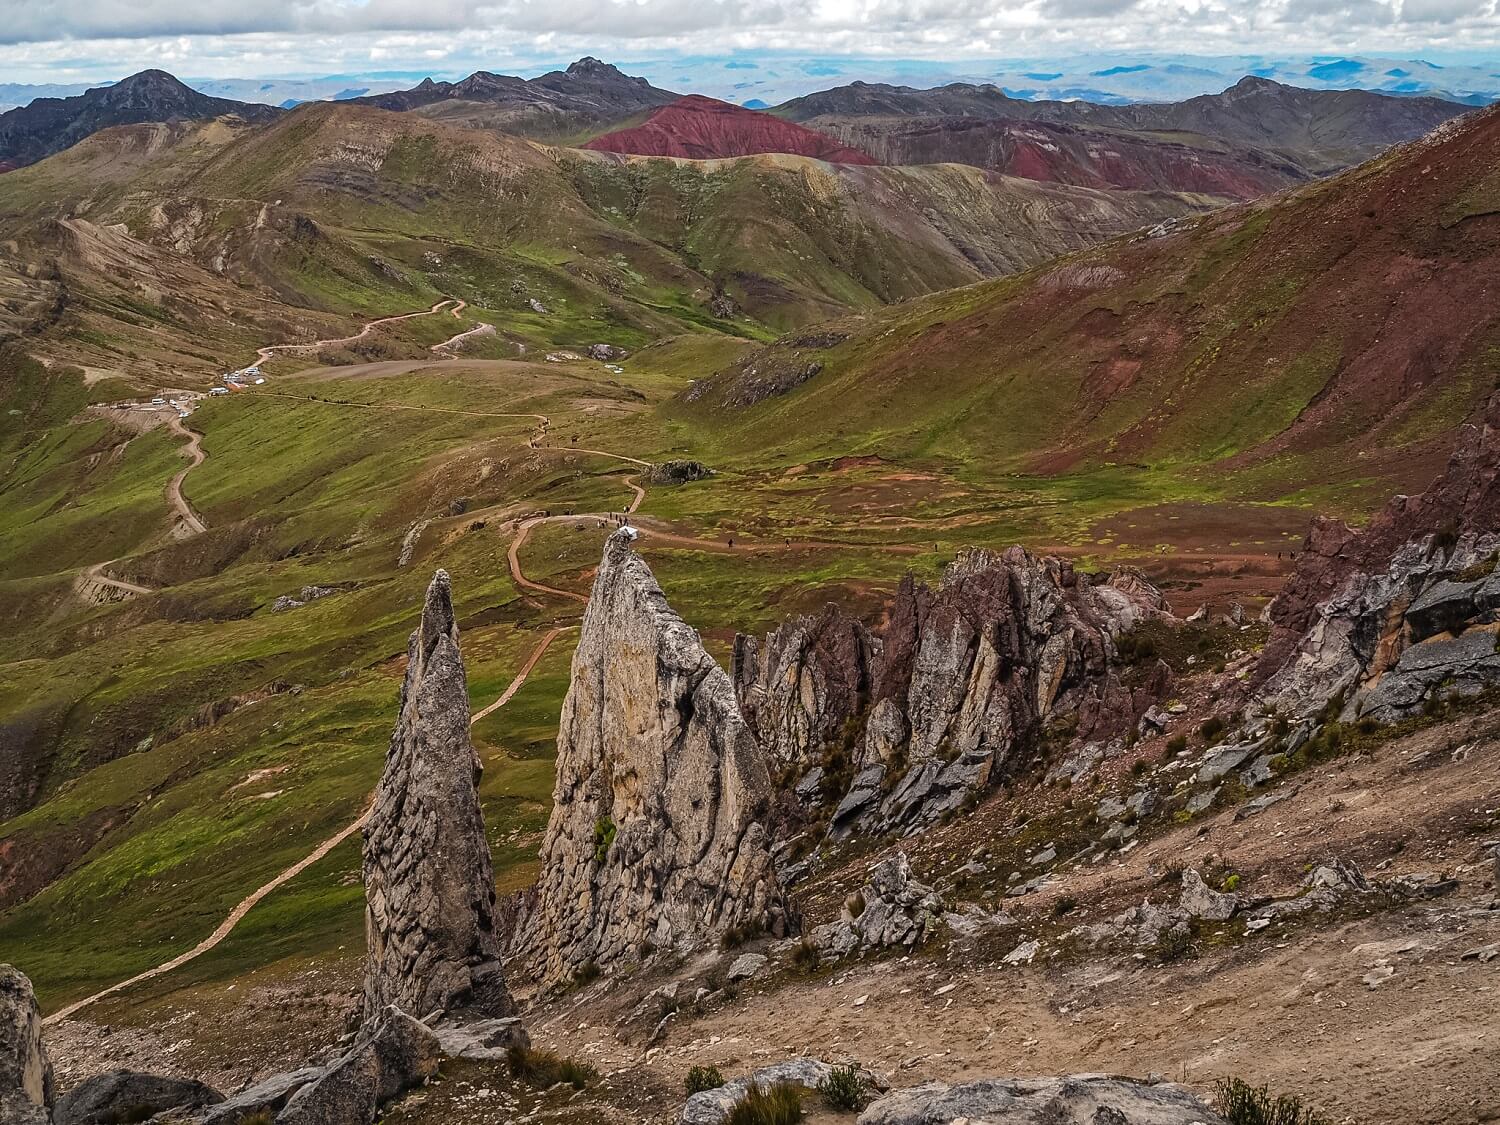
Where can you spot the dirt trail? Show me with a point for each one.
(194, 449)
(521, 676)
(224, 927)
(480, 329)
(96, 573)
(263, 355)
(249, 902)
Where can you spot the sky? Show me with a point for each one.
(85, 40)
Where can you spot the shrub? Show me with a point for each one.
(587, 973)
(545, 1069)
(1177, 744)
(805, 956)
(1064, 904)
(701, 1078)
(1172, 944)
(780, 1104)
(1232, 882)
(1138, 767)
(1244, 1104)
(1211, 728)
(737, 935)
(844, 1088)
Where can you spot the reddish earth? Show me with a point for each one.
(700, 128)
(1066, 154)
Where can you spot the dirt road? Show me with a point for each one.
(263, 355)
(194, 449)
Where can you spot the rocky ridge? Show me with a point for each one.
(895, 730)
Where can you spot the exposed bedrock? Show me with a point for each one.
(894, 730)
(430, 924)
(658, 835)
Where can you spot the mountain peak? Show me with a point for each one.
(590, 67)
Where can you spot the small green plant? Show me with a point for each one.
(1232, 882)
(700, 1078)
(1244, 1104)
(544, 1069)
(780, 1104)
(1211, 728)
(1172, 944)
(844, 1088)
(604, 837)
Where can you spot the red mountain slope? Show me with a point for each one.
(700, 128)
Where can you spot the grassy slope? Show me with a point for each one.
(1320, 347)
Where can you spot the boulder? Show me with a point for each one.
(430, 923)
(393, 1053)
(127, 1095)
(677, 472)
(1081, 1099)
(263, 1099)
(26, 1084)
(658, 833)
(892, 910)
(1199, 900)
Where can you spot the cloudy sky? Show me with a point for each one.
(74, 40)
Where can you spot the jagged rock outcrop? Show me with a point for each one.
(1383, 620)
(899, 730)
(128, 1095)
(1080, 1099)
(802, 686)
(26, 1087)
(431, 935)
(891, 910)
(658, 833)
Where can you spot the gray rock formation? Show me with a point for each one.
(1081, 1099)
(26, 1088)
(658, 830)
(430, 929)
(677, 472)
(891, 910)
(907, 726)
(128, 1095)
(1383, 620)
(392, 1054)
(261, 1100)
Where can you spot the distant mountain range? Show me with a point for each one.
(1256, 137)
(554, 106)
(30, 133)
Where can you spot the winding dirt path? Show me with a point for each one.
(194, 449)
(263, 355)
(96, 573)
(480, 329)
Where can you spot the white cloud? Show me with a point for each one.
(54, 39)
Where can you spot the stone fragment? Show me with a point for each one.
(1081, 1099)
(128, 1095)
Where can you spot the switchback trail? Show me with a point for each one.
(96, 574)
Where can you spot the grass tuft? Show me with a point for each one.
(544, 1069)
(1244, 1104)
(844, 1088)
(780, 1104)
(700, 1078)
